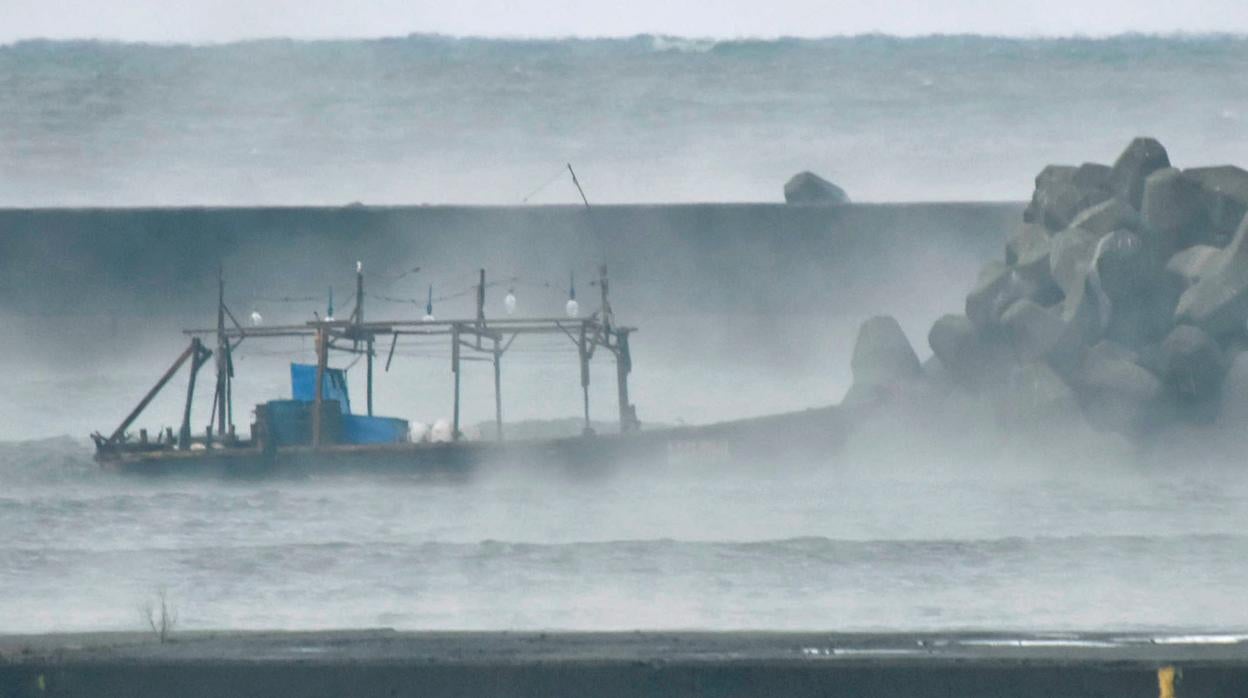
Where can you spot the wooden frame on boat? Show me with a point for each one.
(478, 339)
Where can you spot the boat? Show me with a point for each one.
(317, 430)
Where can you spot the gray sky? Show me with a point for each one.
(224, 20)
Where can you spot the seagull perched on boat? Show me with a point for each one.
(256, 318)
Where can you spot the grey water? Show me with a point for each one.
(438, 119)
(820, 546)
(904, 537)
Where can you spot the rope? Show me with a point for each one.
(545, 184)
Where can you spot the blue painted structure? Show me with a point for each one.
(290, 421)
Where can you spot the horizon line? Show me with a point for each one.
(1178, 35)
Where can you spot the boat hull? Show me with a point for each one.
(809, 434)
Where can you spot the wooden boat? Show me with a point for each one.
(280, 443)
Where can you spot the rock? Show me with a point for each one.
(1133, 304)
(1187, 267)
(1124, 267)
(810, 188)
(1106, 217)
(1040, 334)
(1070, 258)
(1193, 364)
(1173, 210)
(1225, 193)
(1062, 192)
(1028, 252)
(1117, 394)
(1036, 395)
(1218, 302)
(973, 361)
(992, 294)
(1028, 241)
(1235, 392)
(937, 375)
(999, 288)
(1142, 157)
(883, 355)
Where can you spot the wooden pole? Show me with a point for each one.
(394, 341)
(184, 434)
(606, 304)
(222, 356)
(359, 320)
(455, 370)
(583, 350)
(481, 299)
(151, 394)
(624, 366)
(498, 394)
(322, 358)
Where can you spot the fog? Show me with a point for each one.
(925, 515)
(149, 20)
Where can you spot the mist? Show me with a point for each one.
(130, 174)
(201, 21)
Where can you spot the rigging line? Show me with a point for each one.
(545, 184)
(396, 277)
(286, 299)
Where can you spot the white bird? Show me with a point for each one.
(509, 302)
(256, 318)
(573, 308)
(428, 318)
(359, 266)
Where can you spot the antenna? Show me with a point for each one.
(577, 182)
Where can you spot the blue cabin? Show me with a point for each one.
(289, 422)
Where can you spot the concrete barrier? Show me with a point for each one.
(701, 257)
(618, 665)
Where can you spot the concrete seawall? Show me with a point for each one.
(619, 665)
(744, 309)
(754, 256)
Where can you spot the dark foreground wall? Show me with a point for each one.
(692, 258)
(606, 665)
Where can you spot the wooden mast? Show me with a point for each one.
(223, 348)
(322, 358)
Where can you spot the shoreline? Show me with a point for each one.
(388, 662)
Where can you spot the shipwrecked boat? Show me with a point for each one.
(318, 430)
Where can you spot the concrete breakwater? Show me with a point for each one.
(769, 258)
(744, 309)
(1122, 296)
(385, 663)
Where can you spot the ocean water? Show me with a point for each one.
(435, 119)
(866, 539)
(846, 544)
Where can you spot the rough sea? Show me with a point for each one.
(906, 537)
(934, 544)
(442, 120)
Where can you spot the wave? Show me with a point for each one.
(841, 551)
